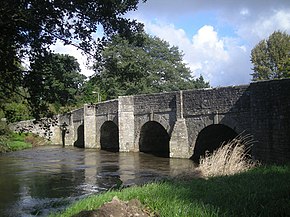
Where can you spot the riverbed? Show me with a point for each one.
(35, 182)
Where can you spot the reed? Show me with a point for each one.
(231, 158)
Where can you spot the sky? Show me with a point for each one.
(215, 36)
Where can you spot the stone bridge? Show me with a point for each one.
(184, 124)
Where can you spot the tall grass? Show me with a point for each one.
(231, 158)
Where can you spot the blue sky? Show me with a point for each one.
(216, 36)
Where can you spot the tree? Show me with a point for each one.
(29, 27)
(271, 57)
(53, 79)
(149, 67)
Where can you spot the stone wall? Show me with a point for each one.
(155, 107)
(270, 120)
(226, 105)
(261, 109)
(46, 127)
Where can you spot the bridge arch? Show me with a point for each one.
(80, 142)
(211, 138)
(154, 139)
(109, 136)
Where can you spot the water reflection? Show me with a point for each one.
(45, 179)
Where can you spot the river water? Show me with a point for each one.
(35, 182)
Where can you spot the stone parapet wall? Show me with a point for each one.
(221, 100)
(162, 102)
(107, 107)
(48, 128)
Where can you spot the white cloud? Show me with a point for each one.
(244, 11)
(220, 48)
(222, 61)
(73, 51)
(207, 45)
(256, 30)
(223, 58)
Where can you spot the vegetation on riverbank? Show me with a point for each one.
(10, 141)
(231, 158)
(262, 191)
(225, 184)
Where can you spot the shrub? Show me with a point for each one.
(16, 112)
(231, 158)
(4, 129)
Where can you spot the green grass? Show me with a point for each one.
(263, 191)
(17, 142)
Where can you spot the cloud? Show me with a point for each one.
(58, 47)
(161, 8)
(255, 30)
(220, 47)
(217, 47)
(222, 61)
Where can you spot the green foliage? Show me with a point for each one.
(5, 133)
(271, 57)
(28, 28)
(262, 191)
(54, 79)
(90, 92)
(16, 112)
(4, 129)
(19, 141)
(132, 67)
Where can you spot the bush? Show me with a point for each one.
(16, 112)
(4, 135)
(4, 147)
(231, 158)
(4, 129)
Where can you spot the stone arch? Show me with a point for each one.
(154, 139)
(163, 122)
(211, 138)
(80, 142)
(230, 122)
(109, 136)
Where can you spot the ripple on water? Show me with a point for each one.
(37, 181)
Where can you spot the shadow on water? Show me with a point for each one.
(45, 179)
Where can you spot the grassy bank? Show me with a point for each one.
(263, 191)
(16, 141)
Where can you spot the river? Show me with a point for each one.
(35, 182)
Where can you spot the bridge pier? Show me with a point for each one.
(90, 128)
(179, 147)
(126, 123)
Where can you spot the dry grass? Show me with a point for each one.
(231, 158)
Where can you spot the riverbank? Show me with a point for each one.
(263, 191)
(20, 141)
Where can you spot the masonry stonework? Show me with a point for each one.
(90, 126)
(126, 123)
(261, 109)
